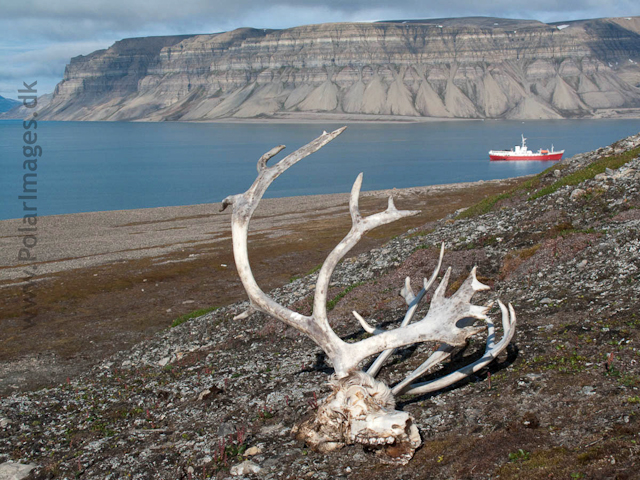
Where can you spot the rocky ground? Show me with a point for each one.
(215, 398)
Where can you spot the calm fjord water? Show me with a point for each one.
(94, 166)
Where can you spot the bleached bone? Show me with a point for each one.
(246, 314)
(412, 301)
(492, 351)
(361, 409)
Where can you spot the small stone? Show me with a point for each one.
(481, 228)
(600, 177)
(546, 300)
(164, 361)
(245, 468)
(186, 302)
(588, 390)
(582, 264)
(250, 452)
(225, 429)
(15, 471)
(204, 395)
(190, 470)
(557, 173)
(530, 420)
(4, 422)
(577, 193)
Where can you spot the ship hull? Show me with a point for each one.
(546, 157)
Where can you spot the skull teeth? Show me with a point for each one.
(374, 440)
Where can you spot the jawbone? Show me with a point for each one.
(361, 410)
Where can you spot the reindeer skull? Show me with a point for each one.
(361, 410)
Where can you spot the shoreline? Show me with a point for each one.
(630, 113)
(89, 239)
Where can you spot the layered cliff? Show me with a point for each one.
(464, 68)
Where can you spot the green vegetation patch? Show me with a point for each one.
(486, 205)
(195, 314)
(334, 301)
(589, 172)
(314, 269)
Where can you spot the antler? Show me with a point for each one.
(491, 353)
(444, 351)
(439, 325)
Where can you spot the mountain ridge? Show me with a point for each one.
(7, 104)
(445, 68)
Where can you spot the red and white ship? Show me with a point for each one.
(520, 152)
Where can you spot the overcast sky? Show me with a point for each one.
(38, 37)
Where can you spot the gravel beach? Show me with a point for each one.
(81, 240)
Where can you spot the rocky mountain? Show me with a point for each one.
(7, 104)
(19, 111)
(447, 68)
(198, 399)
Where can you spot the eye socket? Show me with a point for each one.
(466, 322)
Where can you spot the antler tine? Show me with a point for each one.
(413, 307)
(243, 207)
(262, 163)
(367, 328)
(491, 352)
(354, 200)
(246, 314)
(434, 275)
(407, 293)
(359, 227)
(440, 355)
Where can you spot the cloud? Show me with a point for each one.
(65, 19)
(40, 36)
(39, 61)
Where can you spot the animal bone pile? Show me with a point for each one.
(360, 408)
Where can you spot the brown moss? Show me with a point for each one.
(514, 259)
